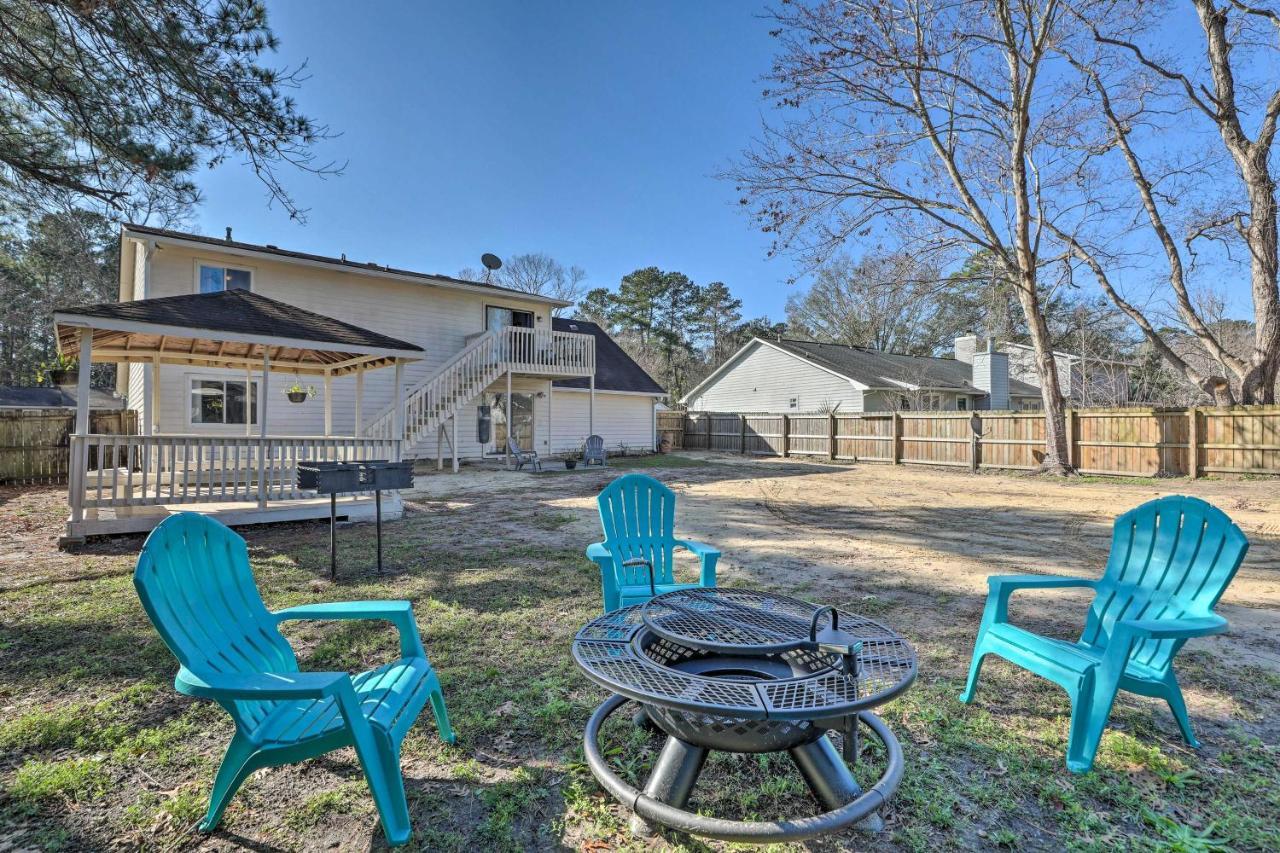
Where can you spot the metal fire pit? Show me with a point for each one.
(335, 478)
(746, 672)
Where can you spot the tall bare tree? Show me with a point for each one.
(927, 117)
(536, 272)
(1191, 136)
(883, 302)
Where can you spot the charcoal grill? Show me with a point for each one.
(335, 478)
(746, 672)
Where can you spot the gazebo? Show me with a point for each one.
(121, 484)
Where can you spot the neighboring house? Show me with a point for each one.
(61, 397)
(785, 375)
(1085, 380)
(453, 389)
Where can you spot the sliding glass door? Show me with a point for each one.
(521, 420)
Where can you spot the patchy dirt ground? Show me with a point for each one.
(96, 751)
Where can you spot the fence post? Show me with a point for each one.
(975, 430)
(786, 436)
(897, 438)
(1193, 442)
(831, 435)
(1071, 438)
(743, 437)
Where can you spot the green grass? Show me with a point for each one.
(99, 750)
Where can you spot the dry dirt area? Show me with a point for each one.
(853, 533)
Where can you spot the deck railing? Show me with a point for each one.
(539, 351)
(144, 470)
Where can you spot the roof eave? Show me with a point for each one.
(88, 321)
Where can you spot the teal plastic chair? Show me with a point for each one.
(636, 557)
(195, 583)
(1171, 560)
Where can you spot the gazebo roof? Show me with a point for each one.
(230, 328)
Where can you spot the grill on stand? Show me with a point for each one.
(747, 672)
(335, 478)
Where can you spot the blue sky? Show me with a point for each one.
(590, 131)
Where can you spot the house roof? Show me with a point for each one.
(1007, 345)
(267, 249)
(213, 328)
(615, 370)
(13, 396)
(875, 369)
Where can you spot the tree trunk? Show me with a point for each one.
(1055, 411)
(1258, 385)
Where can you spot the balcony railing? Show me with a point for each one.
(548, 353)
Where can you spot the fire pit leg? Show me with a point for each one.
(829, 779)
(674, 773)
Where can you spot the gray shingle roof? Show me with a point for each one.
(245, 313)
(18, 396)
(877, 369)
(615, 370)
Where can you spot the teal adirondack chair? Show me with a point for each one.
(195, 583)
(1171, 560)
(636, 557)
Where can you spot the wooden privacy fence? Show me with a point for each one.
(35, 443)
(1142, 442)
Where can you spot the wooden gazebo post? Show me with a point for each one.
(80, 447)
(263, 389)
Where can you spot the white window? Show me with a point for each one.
(793, 403)
(217, 401)
(930, 402)
(1030, 404)
(211, 278)
(962, 404)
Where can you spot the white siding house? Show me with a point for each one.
(441, 314)
(785, 375)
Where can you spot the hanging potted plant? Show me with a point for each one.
(62, 371)
(298, 393)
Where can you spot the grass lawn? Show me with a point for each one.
(97, 750)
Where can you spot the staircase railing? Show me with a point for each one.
(460, 378)
(479, 363)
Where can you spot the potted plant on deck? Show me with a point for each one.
(297, 392)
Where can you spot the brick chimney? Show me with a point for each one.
(991, 374)
(966, 346)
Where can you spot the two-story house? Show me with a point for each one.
(212, 335)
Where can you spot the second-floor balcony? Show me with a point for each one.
(539, 352)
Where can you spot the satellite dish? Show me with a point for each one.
(491, 261)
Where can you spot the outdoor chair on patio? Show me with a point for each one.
(636, 557)
(593, 451)
(523, 457)
(195, 583)
(1171, 559)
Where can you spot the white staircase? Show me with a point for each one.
(430, 405)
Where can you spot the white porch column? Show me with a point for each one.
(328, 403)
(551, 432)
(455, 442)
(507, 447)
(155, 397)
(248, 401)
(591, 408)
(359, 400)
(397, 407)
(263, 389)
(79, 459)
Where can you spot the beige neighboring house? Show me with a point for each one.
(398, 364)
(786, 375)
(1085, 380)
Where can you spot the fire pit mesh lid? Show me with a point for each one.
(620, 664)
(738, 621)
